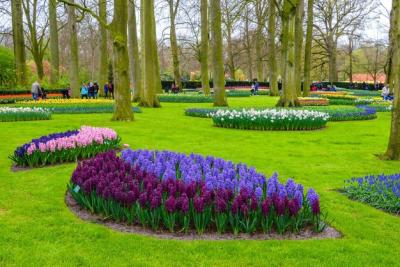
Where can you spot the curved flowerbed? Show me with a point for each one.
(335, 113)
(164, 190)
(313, 101)
(66, 147)
(380, 191)
(8, 114)
(270, 119)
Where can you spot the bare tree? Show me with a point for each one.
(334, 19)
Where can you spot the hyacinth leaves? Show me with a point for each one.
(175, 192)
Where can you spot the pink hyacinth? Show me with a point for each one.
(86, 136)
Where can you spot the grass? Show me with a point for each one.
(37, 229)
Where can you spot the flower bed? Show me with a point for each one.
(8, 114)
(270, 119)
(237, 93)
(63, 101)
(379, 107)
(313, 101)
(186, 98)
(27, 96)
(347, 113)
(86, 109)
(380, 191)
(66, 147)
(167, 190)
(328, 93)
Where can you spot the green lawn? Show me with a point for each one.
(36, 228)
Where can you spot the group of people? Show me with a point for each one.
(91, 90)
(254, 87)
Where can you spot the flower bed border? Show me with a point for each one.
(83, 214)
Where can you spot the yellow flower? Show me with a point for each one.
(62, 101)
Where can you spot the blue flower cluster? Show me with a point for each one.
(22, 150)
(381, 191)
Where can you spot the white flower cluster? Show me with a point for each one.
(7, 110)
(270, 114)
(364, 100)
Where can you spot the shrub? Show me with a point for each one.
(66, 147)
(380, 191)
(270, 119)
(167, 190)
(178, 98)
(24, 114)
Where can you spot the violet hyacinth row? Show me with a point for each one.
(66, 146)
(173, 191)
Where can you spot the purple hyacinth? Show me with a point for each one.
(266, 206)
(280, 206)
(313, 200)
(170, 204)
(198, 204)
(259, 193)
(294, 207)
(220, 205)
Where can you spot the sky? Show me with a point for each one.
(378, 29)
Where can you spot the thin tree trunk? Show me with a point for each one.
(231, 60)
(149, 43)
(289, 96)
(273, 79)
(298, 49)
(73, 50)
(103, 52)
(259, 51)
(351, 60)
(123, 106)
(248, 46)
(174, 44)
(332, 59)
(54, 49)
(19, 42)
(217, 55)
(204, 47)
(157, 76)
(393, 150)
(308, 46)
(134, 58)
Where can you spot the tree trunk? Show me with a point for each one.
(308, 46)
(351, 59)
(39, 65)
(204, 47)
(298, 49)
(54, 49)
(122, 96)
(134, 58)
(73, 52)
(19, 42)
(289, 96)
(332, 59)
(174, 44)
(217, 55)
(393, 150)
(149, 57)
(103, 52)
(231, 60)
(248, 45)
(273, 79)
(259, 52)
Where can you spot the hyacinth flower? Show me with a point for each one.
(66, 147)
(380, 191)
(173, 191)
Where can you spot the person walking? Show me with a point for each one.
(111, 89)
(95, 90)
(35, 90)
(106, 90)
